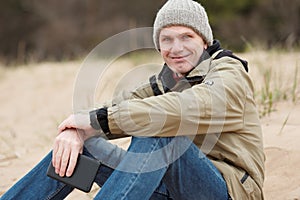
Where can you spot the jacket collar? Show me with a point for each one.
(213, 52)
(198, 73)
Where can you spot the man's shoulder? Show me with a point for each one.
(226, 56)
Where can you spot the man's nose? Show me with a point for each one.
(177, 46)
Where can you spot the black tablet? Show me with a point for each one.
(83, 175)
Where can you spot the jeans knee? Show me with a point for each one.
(162, 141)
(166, 148)
(155, 142)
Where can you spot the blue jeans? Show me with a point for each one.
(152, 168)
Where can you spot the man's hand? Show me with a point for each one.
(67, 145)
(79, 121)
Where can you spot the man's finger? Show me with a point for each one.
(64, 162)
(57, 160)
(54, 152)
(72, 163)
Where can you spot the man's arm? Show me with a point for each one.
(216, 105)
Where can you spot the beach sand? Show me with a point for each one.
(35, 99)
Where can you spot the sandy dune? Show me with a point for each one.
(35, 99)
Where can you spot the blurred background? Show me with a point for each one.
(43, 44)
(39, 30)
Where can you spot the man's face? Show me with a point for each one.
(181, 48)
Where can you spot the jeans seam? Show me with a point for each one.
(154, 145)
(212, 167)
(55, 192)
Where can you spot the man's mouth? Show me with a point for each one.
(179, 58)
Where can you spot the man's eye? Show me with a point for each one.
(166, 39)
(186, 37)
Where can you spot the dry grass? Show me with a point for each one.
(35, 98)
(275, 77)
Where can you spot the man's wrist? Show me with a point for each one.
(94, 120)
(99, 120)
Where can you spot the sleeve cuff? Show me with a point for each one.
(93, 120)
(102, 119)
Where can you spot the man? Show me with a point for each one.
(195, 129)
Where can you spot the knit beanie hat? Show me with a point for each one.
(183, 12)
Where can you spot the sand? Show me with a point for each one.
(35, 99)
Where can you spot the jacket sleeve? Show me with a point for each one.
(214, 106)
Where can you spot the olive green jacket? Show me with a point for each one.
(219, 114)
